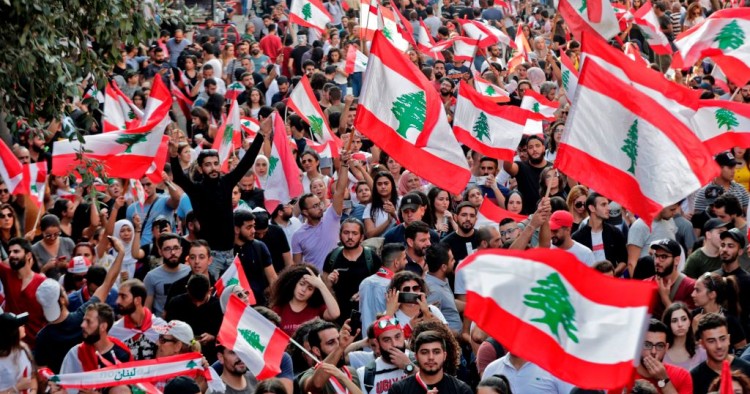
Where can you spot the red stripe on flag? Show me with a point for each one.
(273, 354)
(497, 214)
(465, 137)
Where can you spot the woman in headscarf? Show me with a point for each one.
(261, 167)
(409, 182)
(130, 236)
(536, 77)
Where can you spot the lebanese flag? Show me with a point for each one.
(183, 101)
(721, 80)
(356, 61)
(137, 192)
(464, 48)
(250, 127)
(235, 275)
(407, 32)
(489, 90)
(257, 341)
(491, 214)
(368, 19)
(484, 34)
(401, 112)
(645, 158)
(234, 90)
(229, 136)
(126, 153)
(522, 49)
(119, 111)
(388, 26)
(486, 127)
(157, 167)
(303, 102)
(569, 76)
(581, 16)
(648, 23)
(624, 15)
(426, 44)
(324, 150)
(723, 38)
(722, 125)
(92, 91)
(633, 53)
(283, 183)
(11, 171)
(436, 52)
(35, 181)
(542, 108)
(310, 13)
(582, 335)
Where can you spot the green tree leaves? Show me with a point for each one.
(726, 118)
(731, 36)
(481, 128)
(630, 146)
(551, 297)
(410, 111)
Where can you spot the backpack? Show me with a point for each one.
(370, 372)
(368, 258)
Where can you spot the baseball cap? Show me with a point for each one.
(177, 329)
(410, 201)
(11, 321)
(161, 219)
(79, 265)
(725, 159)
(182, 385)
(667, 245)
(713, 224)
(385, 324)
(560, 219)
(736, 235)
(712, 192)
(48, 296)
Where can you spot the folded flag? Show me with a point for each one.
(491, 214)
(35, 181)
(490, 90)
(234, 90)
(11, 169)
(356, 61)
(484, 34)
(303, 102)
(229, 136)
(119, 111)
(283, 182)
(648, 23)
(569, 76)
(464, 48)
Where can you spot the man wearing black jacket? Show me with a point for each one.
(212, 197)
(605, 240)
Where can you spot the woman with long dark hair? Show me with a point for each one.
(716, 294)
(441, 204)
(382, 213)
(682, 350)
(299, 294)
(8, 225)
(17, 374)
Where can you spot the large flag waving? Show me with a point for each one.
(485, 35)
(576, 15)
(283, 182)
(648, 23)
(235, 275)
(303, 102)
(522, 49)
(540, 106)
(229, 136)
(582, 335)
(119, 111)
(645, 158)
(486, 127)
(722, 124)
(724, 38)
(464, 48)
(425, 43)
(569, 76)
(388, 26)
(402, 113)
(488, 89)
(11, 169)
(257, 341)
(309, 13)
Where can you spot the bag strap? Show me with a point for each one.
(370, 371)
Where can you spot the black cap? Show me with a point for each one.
(667, 245)
(736, 235)
(715, 223)
(182, 385)
(726, 159)
(11, 321)
(712, 192)
(160, 219)
(410, 201)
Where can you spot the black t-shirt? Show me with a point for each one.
(457, 244)
(202, 319)
(296, 55)
(275, 240)
(743, 282)
(255, 257)
(528, 184)
(703, 375)
(351, 273)
(54, 340)
(179, 287)
(699, 220)
(736, 333)
(449, 385)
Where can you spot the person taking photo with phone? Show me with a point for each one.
(406, 300)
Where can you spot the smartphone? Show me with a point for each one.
(481, 180)
(355, 320)
(408, 298)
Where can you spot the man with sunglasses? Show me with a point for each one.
(605, 240)
(394, 363)
(672, 285)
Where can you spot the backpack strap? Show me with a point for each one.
(369, 376)
(334, 256)
(368, 260)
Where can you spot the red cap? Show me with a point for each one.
(560, 219)
(385, 324)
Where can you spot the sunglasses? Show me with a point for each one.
(578, 204)
(6, 215)
(3, 191)
(163, 340)
(385, 323)
(412, 289)
(53, 235)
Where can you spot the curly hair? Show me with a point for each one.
(452, 348)
(283, 289)
(404, 276)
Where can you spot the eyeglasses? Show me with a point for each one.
(412, 289)
(170, 249)
(163, 340)
(3, 191)
(6, 216)
(659, 346)
(662, 256)
(389, 322)
(320, 205)
(579, 204)
(508, 232)
(53, 235)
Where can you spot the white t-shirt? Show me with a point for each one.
(404, 320)
(14, 367)
(381, 216)
(389, 374)
(597, 246)
(582, 253)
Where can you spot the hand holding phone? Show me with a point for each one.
(408, 298)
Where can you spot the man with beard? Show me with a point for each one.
(604, 239)
(348, 265)
(560, 224)
(235, 373)
(372, 290)
(440, 264)
(673, 286)
(135, 328)
(394, 363)
(20, 284)
(417, 241)
(211, 197)
(411, 209)
(253, 254)
(159, 280)
(98, 349)
(446, 95)
(431, 356)
(732, 245)
(459, 241)
(64, 328)
(199, 259)
(331, 376)
(713, 335)
(527, 174)
(438, 68)
(283, 216)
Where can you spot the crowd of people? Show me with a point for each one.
(359, 269)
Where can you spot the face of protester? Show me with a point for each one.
(716, 342)
(701, 295)
(318, 188)
(364, 194)
(679, 323)
(211, 167)
(303, 291)
(475, 197)
(430, 358)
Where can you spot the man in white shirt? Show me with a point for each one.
(526, 377)
(394, 363)
(560, 225)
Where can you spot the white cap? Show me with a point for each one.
(48, 296)
(79, 265)
(178, 329)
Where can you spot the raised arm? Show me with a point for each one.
(341, 183)
(114, 271)
(248, 160)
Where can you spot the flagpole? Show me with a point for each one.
(735, 93)
(38, 216)
(307, 352)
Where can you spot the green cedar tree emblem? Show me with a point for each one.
(55, 379)
(536, 108)
(235, 86)
(272, 163)
(584, 5)
(726, 118)
(232, 282)
(307, 11)
(191, 364)
(630, 146)
(34, 190)
(731, 36)
(252, 338)
(316, 126)
(131, 114)
(130, 139)
(490, 91)
(552, 298)
(565, 79)
(228, 134)
(481, 128)
(410, 110)
(387, 33)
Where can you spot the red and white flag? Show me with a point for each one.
(401, 112)
(722, 125)
(123, 154)
(633, 53)
(624, 15)
(356, 61)
(569, 76)
(390, 29)
(580, 16)
(490, 90)
(234, 90)
(323, 150)
(425, 43)
(542, 108)
(250, 127)
(303, 102)
(235, 275)
(35, 181)
(119, 111)
(645, 157)
(11, 170)
(491, 214)
(723, 37)
(257, 341)
(486, 127)
(648, 23)
(229, 136)
(485, 35)
(587, 328)
(310, 13)
(464, 48)
(137, 193)
(283, 183)
(183, 101)
(522, 49)
(368, 19)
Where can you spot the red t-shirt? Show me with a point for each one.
(683, 294)
(271, 45)
(679, 377)
(19, 301)
(290, 319)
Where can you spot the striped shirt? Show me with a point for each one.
(735, 189)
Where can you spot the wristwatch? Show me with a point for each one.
(662, 383)
(409, 368)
